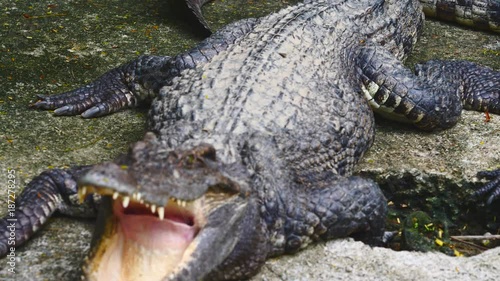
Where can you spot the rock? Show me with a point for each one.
(349, 260)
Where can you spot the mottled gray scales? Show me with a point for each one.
(248, 94)
(253, 137)
(260, 96)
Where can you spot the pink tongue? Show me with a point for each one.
(153, 233)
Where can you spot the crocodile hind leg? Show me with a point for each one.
(478, 86)
(53, 190)
(140, 80)
(432, 98)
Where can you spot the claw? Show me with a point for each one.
(92, 112)
(492, 197)
(37, 104)
(40, 104)
(98, 110)
(65, 110)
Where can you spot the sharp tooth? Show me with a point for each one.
(147, 205)
(153, 208)
(81, 193)
(115, 195)
(125, 201)
(142, 201)
(161, 212)
(176, 174)
(138, 196)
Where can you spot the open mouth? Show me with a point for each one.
(172, 225)
(142, 241)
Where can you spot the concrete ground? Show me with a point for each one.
(49, 47)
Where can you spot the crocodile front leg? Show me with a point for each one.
(140, 80)
(320, 210)
(53, 190)
(317, 210)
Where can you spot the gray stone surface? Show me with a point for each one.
(49, 47)
(350, 260)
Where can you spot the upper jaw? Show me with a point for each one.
(152, 172)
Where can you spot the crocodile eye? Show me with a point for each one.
(198, 156)
(204, 151)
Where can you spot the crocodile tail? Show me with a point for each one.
(479, 14)
(195, 7)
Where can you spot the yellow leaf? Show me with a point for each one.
(439, 242)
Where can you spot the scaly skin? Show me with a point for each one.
(483, 14)
(251, 149)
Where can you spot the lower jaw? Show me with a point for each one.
(122, 259)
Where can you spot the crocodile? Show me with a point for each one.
(229, 164)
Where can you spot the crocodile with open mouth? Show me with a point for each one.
(251, 149)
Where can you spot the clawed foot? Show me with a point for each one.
(106, 95)
(492, 187)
